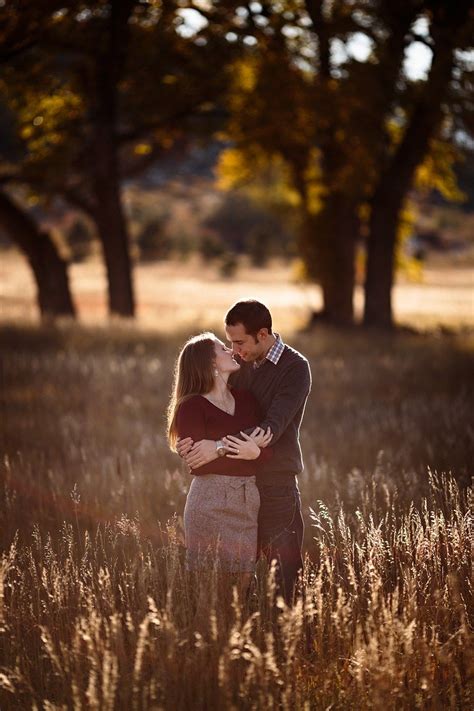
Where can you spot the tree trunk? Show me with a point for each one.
(49, 269)
(108, 213)
(397, 177)
(330, 249)
(338, 230)
(338, 278)
(112, 227)
(381, 245)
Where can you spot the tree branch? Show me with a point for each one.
(139, 132)
(321, 30)
(415, 37)
(9, 54)
(72, 194)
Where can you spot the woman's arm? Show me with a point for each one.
(190, 422)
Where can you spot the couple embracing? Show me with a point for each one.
(234, 416)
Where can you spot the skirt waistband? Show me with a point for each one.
(223, 481)
(224, 477)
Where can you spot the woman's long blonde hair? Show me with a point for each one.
(193, 375)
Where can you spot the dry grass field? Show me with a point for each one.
(189, 295)
(96, 608)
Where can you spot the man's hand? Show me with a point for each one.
(201, 453)
(183, 446)
(261, 437)
(244, 448)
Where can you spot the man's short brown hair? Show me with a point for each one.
(252, 314)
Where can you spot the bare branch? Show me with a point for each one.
(415, 37)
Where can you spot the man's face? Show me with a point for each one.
(244, 345)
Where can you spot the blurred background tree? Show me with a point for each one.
(98, 91)
(321, 132)
(47, 265)
(353, 131)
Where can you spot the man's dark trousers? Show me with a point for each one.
(280, 531)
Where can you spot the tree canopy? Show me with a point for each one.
(314, 92)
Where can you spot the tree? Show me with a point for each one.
(104, 90)
(450, 29)
(49, 269)
(336, 123)
(19, 32)
(292, 102)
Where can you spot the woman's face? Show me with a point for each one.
(224, 359)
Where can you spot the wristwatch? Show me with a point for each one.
(220, 448)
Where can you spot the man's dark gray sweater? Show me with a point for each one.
(281, 390)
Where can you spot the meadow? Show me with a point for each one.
(96, 608)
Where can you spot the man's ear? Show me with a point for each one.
(262, 334)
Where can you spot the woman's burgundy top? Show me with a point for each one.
(200, 419)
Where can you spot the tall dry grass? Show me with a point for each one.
(96, 608)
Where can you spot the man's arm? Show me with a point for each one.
(286, 402)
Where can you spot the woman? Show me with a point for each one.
(220, 516)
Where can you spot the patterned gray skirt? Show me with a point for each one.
(220, 522)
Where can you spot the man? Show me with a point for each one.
(280, 379)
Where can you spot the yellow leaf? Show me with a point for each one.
(142, 149)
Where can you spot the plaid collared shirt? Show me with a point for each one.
(274, 353)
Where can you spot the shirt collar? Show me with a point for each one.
(274, 354)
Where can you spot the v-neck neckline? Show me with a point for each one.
(220, 408)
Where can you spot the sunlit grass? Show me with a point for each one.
(96, 609)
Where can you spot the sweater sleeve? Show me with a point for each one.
(190, 421)
(290, 396)
(266, 453)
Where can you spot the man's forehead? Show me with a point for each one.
(236, 332)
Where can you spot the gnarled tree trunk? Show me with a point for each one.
(397, 177)
(48, 267)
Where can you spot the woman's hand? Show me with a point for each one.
(262, 438)
(244, 448)
(184, 446)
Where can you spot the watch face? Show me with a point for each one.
(221, 451)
